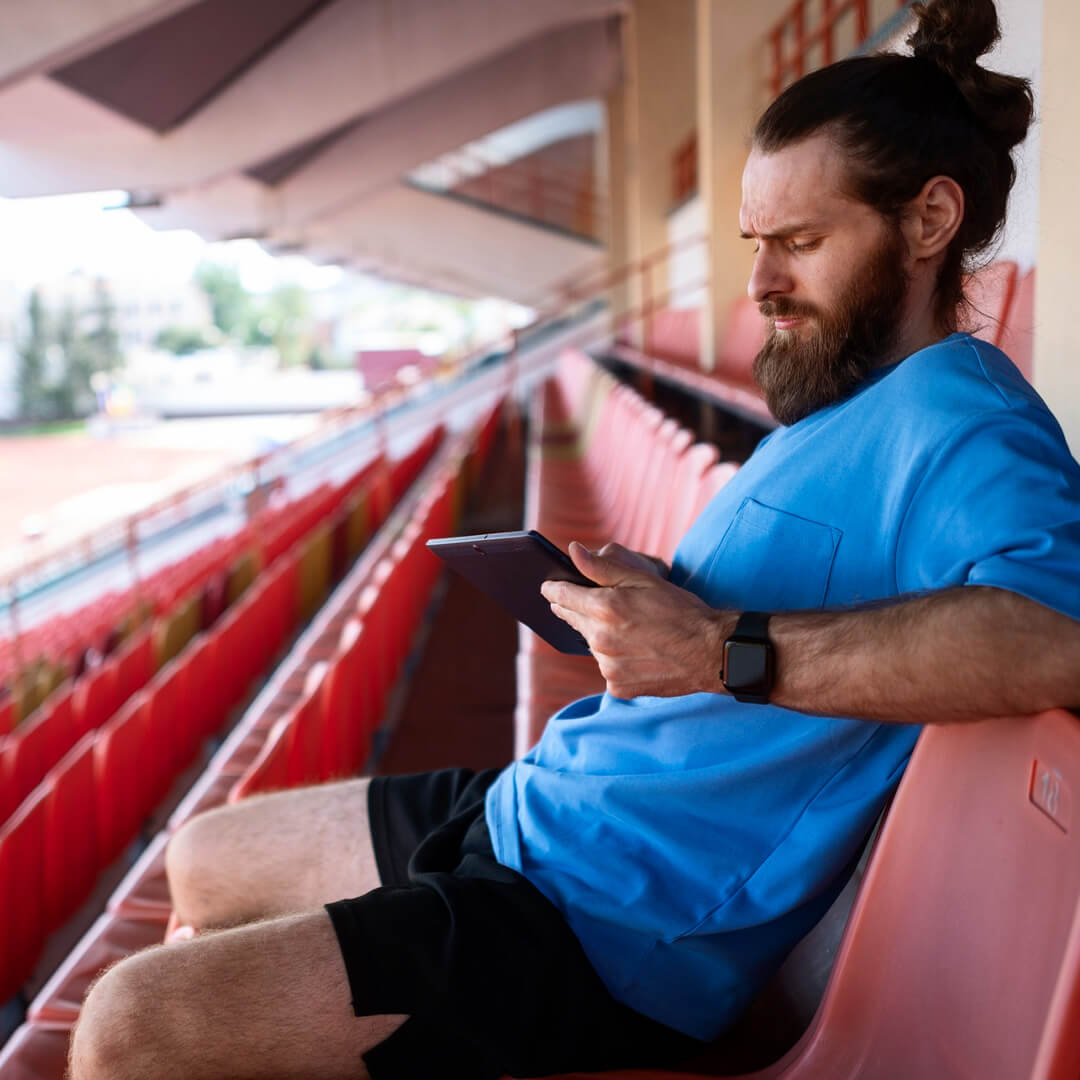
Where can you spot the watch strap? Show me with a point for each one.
(753, 626)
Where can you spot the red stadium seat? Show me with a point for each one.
(22, 840)
(94, 699)
(71, 854)
(124, 786)
(271, 768)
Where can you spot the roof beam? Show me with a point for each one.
(350, 59)
(42, 35)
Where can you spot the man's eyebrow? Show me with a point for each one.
(801, 228)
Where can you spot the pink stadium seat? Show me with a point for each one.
(1018, 333)
(71, 855)
(743, 337)
(990, 294)
(960, 955)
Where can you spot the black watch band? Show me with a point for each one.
(749, 669)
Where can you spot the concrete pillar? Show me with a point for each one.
(612, 179)
(1057, 331)
(659, 114)
(730, 95)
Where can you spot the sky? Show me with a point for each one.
(42, 239)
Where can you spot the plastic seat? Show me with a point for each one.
(990, 294)
(960, 956)
(125, 789)
(270, 771)
(71, 858)
(1018, 333)
(21, 915)
(94, 698)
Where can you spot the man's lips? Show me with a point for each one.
(788, 322)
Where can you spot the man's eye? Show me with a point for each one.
(804, 245)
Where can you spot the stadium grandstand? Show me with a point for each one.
(282, 623)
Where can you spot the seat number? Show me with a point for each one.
(1050, 794)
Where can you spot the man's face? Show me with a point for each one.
(829, 276)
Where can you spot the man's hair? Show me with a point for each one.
(901, 120)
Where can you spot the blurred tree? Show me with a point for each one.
(183, 340)
(230, 302)
(284, 321)
(34, 402)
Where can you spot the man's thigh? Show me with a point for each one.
(273, 855)
(267, 1000)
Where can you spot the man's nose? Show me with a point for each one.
(768, 278)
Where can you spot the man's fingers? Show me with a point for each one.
(572, 618)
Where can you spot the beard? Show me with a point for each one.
(797, 375)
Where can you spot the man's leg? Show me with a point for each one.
(273, 855)
(269, 1000)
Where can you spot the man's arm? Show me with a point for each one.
(957, 655)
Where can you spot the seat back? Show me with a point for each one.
(1018, 333)
(989, 294)
(958, 942)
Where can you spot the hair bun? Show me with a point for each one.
(954, 33)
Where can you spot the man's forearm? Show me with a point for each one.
(957, 655)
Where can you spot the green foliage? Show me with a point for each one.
(34, 403)
(59, 356)
(230, 302)
(183, 340)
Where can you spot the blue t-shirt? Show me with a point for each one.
(690, 842)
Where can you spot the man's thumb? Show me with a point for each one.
(597, 567)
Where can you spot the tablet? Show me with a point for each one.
(510, 567)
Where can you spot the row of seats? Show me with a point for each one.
(313, 720)
(602, 464)
(91, 766)
(1001, 310)
(961, 954)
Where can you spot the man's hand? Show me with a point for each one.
(647, 635)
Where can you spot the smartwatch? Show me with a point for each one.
(749, 660)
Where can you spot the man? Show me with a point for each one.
(620, 894)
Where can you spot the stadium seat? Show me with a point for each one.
(1018, 333)
(125, 788)
(22, 840)
(71, 855)
(960, 956)
(990, 295)
(270, 771)
(94, 698)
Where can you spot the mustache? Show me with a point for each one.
(784, 308)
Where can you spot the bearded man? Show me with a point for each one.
(891, 556)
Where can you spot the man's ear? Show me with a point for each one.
(931, 219)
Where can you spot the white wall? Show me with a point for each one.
(1020, 53)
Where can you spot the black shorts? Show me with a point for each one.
(493, 980)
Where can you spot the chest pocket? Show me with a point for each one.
(768, 560)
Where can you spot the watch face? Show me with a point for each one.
(746, 667)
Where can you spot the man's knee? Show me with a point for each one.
(120, 1032)
(198, 865)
